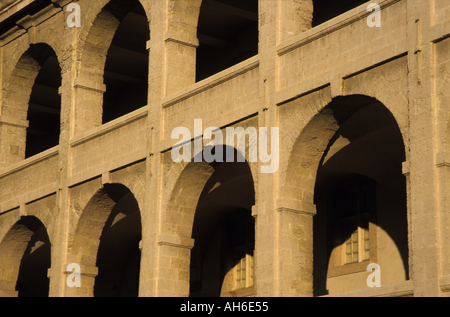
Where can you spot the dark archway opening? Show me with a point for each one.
(44, 108)
(228, 34)
(325, 10)
(118, 257)
(127, 63)
(33, 280)
(224, 234)
(25, 259)
(360, 195)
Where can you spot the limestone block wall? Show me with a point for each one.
(308, 82)
(40, 175)
(116, 142)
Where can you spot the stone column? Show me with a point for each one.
(69, 119)
(89, 105)
(284, 252)
(295, 250)
(295, 17)
(181, 52)
(423, 203)
(174, 258)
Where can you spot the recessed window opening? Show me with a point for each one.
(353, 202)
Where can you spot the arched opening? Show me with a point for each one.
(325, 10)
(33, 100)
(113, 76)
(227, 33)
(108, 236)
(224, 234)
(360, 194)
(119, 256)
(44, 108)
(25, 260)
(127, 62)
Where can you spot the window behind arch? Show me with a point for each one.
(242, 246)
(353, 204)
(227, 33)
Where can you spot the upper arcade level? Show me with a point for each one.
(129, 67)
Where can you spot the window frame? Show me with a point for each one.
(338, 264)
(248, 248)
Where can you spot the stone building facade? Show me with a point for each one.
(87, 177)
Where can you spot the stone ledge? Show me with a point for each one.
(181, 38)
(82, 83)
(13, 121)
(330, 26)
(29, 197)
(212, 81)
(296, 206)
(13, 7)
(88, 271)
(54, 151)
(110, 126)
(100, 170)
(174, 241)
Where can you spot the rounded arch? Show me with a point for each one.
(23, 45)
(23, 76)
(32, 102)
(187, 181)
(203, 198)
(187, 186)
(114, 62)
(104, 16)
(106, 243)
(224, 234)
(25, 259)
(315, 137)
(347, 162)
